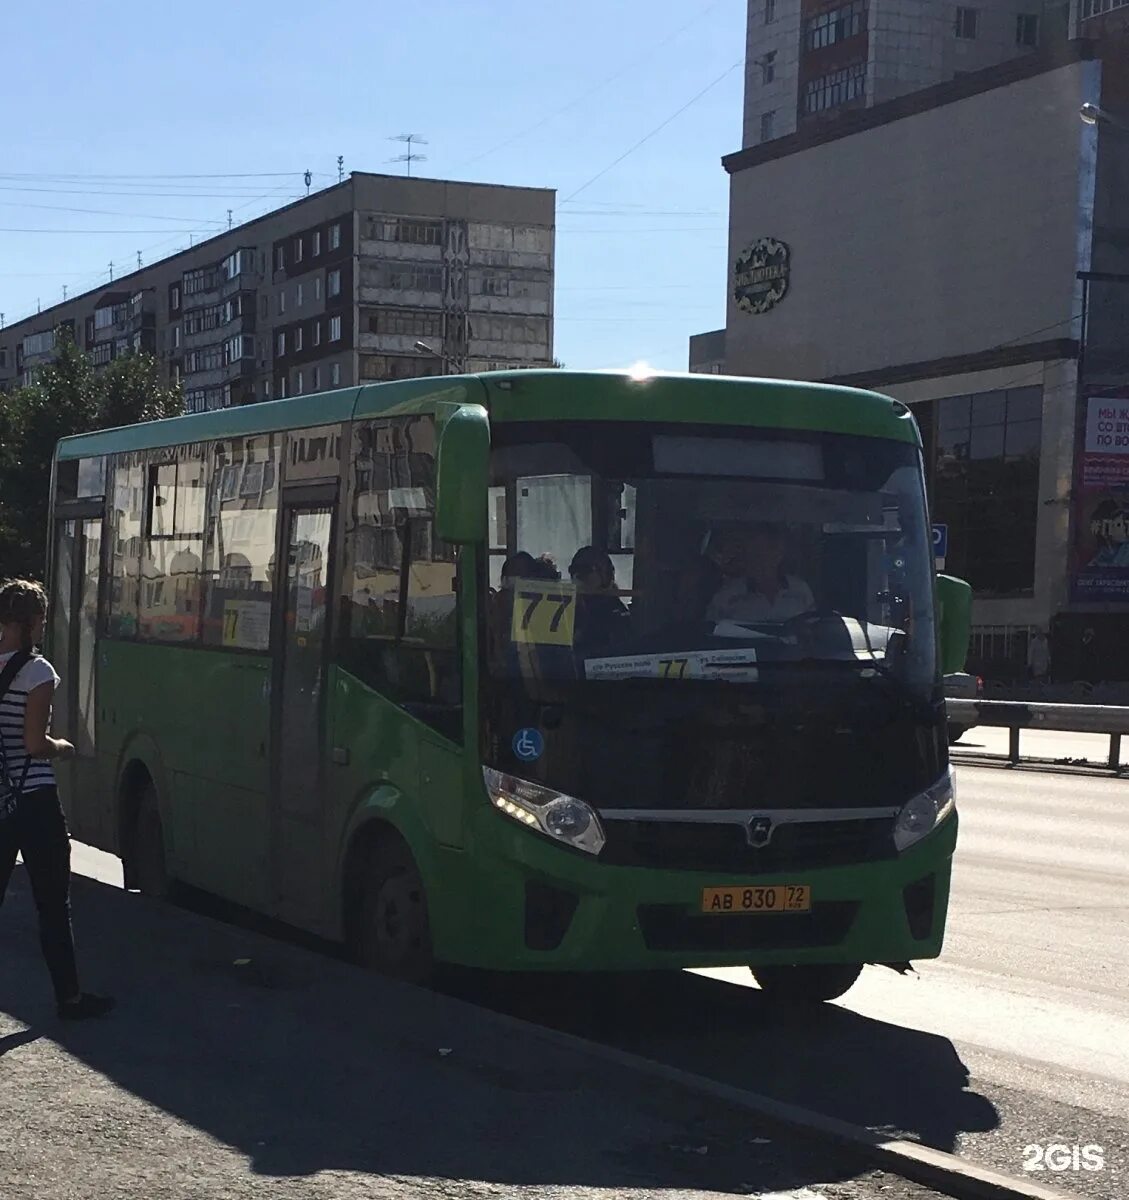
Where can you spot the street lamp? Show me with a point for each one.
(1094, 114)
(424, 348)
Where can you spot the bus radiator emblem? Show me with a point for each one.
(759, 832)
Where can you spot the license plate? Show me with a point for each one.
(774, 898)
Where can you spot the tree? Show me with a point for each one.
(68, 397)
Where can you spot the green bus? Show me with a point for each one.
(531, 670)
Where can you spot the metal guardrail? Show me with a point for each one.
(1015, 716)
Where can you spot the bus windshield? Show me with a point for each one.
(705, 555)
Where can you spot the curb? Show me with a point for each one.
(945, 1173)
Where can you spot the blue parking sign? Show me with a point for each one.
(940, 541)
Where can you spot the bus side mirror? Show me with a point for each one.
(954, 600)
(462, 475)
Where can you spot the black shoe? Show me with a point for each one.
(87, 1005)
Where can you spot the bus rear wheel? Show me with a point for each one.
(150, 866)
(807, 984)
(391, 930)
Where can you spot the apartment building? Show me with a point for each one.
(815, 61)
(379, 277)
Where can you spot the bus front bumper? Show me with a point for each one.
(523, 902)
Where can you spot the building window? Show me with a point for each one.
(834, 89)
(282, 301)
(1026, 29)
(315, 249)
(174, 297)
(317, 333)
(280, 344)
(300, 293)
(768, 67)
(401, 229)
(767, 120)
(408, 278)
(769, 11)
(968, 20)
(297, 249)
(333, 284)
(317, 287)
(335, 374)
(264, 306)
(297, 339)
(266, 389)
(282, 387)
(334, 329)
(315, 378)
(406, 322)
(279, 258)
(176, 337)
(1095, 8)
(335, 237)
(986, 485)
(203, 279)
(835, 25)
(299, 383)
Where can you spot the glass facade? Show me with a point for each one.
(982, 455)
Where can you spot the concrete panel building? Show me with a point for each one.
(378, 277)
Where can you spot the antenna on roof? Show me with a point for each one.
(409, 158)
(308, 177)
(340, 168)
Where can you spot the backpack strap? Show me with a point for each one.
(15, 665)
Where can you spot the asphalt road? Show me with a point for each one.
(1017, 1036)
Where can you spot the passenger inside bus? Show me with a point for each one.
(756, 585)
(601, 615)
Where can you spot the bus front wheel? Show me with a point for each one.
(808, 984)
(150, 867)
(391, 930)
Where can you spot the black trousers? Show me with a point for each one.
(38, 831)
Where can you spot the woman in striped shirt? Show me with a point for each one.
(34, 825)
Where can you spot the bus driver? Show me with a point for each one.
(756, 586)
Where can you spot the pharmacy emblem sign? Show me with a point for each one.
(762, 274)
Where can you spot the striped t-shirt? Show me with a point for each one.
(13, 705)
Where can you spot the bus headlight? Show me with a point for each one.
(561, 817)
(925, 811)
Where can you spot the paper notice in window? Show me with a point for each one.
(736, 666)
(246, 624)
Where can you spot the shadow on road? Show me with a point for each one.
(303, 1063)
(824, 1058)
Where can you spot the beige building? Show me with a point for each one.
(378, 277)
(965, 248)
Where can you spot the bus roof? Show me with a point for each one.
(544, 394)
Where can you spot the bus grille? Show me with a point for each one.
(671, 927)
(724, 846)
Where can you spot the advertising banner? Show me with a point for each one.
(1101, 549)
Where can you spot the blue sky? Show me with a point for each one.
(120, 98)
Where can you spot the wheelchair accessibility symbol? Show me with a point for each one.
(528, 744)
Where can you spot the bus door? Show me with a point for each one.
(75, 572)
(301, 664)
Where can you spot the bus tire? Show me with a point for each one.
(390, 928)
(807, 984)
(150, 863)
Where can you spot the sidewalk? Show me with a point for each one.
(238, 1066)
